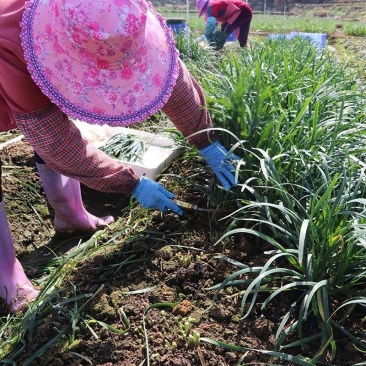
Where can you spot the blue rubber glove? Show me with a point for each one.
(217, 158)
(151, 194)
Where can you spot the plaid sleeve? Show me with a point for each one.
(186, 108)
(59, 143)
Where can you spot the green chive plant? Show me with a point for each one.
(318, 251)
(265, 95)
(355, 29)
(283, 24)
(297, 120)
(125, 147)
(190, 47)
(16, 332)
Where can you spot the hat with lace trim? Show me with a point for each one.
(104, 62)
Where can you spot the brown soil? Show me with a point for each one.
(175, 258)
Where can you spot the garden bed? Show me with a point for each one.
(142, 292)
(156, 273)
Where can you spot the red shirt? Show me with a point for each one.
(18, 92)
(227, 11)
(233, 15)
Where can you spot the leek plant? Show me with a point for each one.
(354, 29)
(16, 332)
(297, 120)
(320, 234)
(190, 47)
(283, 24)
(125, 147)
(276, 92)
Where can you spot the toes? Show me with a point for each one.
(86, 224)
(104, 221)
(22, 299)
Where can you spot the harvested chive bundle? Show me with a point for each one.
(125, 147)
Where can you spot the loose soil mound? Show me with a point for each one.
(155, 274)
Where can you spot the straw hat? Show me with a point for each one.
(104, 62)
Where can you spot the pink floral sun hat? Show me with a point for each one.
(104, 62)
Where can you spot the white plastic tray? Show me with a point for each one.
(11, 141)
(160, 150)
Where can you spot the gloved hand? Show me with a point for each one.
(151, 194)
(217, 158)
(218, 40)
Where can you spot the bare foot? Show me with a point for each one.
(15, 287)
(84, 222)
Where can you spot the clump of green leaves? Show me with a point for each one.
(355, 29)
(125, 147)
(296, 118)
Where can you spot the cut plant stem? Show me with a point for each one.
(190, 206)
(125, 147)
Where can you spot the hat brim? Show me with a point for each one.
(202, 10)
(117, 97)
